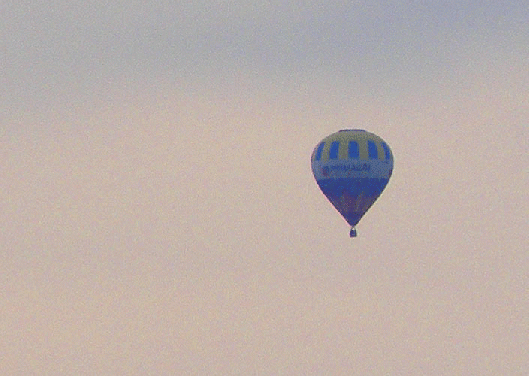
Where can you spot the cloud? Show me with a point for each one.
(60, 50)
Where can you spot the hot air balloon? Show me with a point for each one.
(352, 167)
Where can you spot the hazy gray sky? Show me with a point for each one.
(159, 214)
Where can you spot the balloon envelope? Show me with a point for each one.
(352, 167)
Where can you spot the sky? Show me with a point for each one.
(159, 214)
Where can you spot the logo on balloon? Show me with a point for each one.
(364, 167)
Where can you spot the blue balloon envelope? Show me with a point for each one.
(352, 167)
